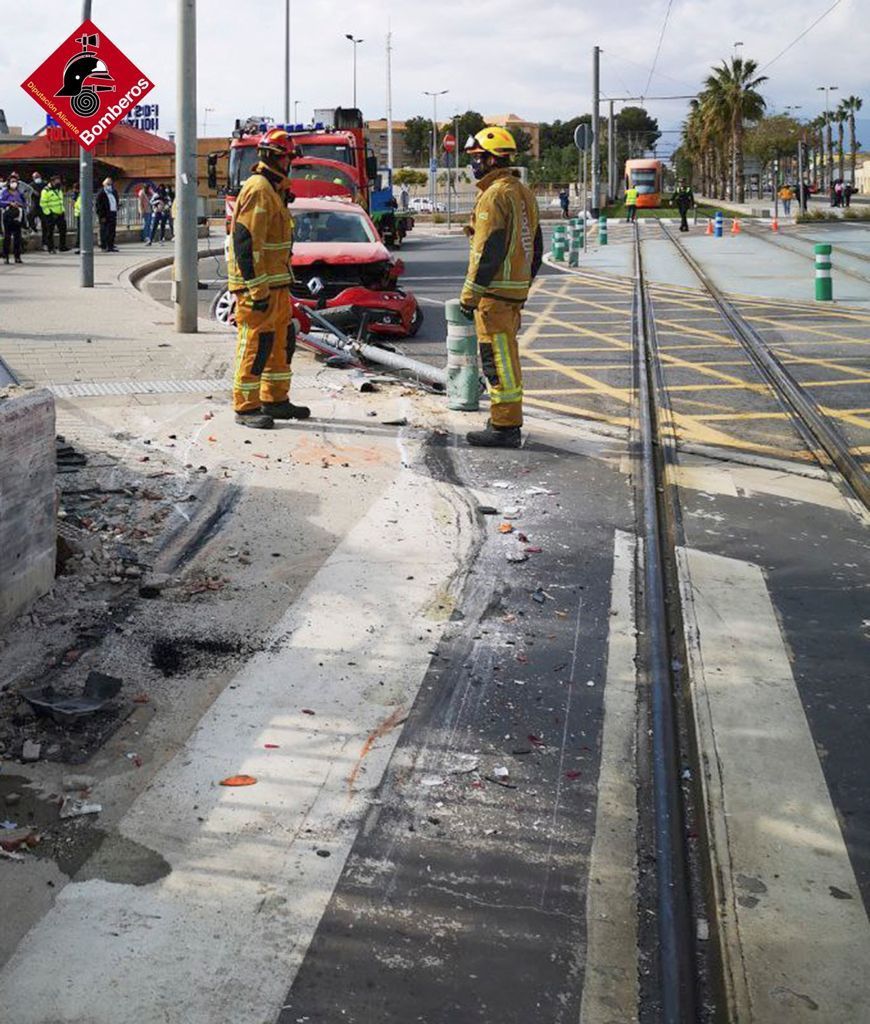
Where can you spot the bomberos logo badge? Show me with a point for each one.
(88, 85)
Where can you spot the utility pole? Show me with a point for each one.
(390, 104)
(186, 264)
(356, 43)
(611, 156)
(286, 61)
(596, 141)
(86, 197)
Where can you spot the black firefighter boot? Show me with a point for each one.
(286, 410)
(495, 437)
(255, 418)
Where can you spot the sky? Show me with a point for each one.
(495, 56)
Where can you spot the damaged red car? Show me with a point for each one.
(343, 269)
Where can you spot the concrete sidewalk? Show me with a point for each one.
(54, 332)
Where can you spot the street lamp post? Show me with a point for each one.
(827, 89)
(356, 43)
(295, 111)
(433, 163)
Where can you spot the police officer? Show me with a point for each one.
(506, 253)
(684, 200)
(260, 275)
(631, 194)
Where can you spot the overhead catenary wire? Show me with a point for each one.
(659, 47)
(796, 40)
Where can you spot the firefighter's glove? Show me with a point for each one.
(260, 305)
(466, 311)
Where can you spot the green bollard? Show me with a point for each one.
(824, 283)
(463, 373)
(558, 251)
(602, 230)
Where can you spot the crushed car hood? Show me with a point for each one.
(306, 253)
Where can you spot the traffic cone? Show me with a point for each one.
(774, 225)
(709, 230)
(735, 227)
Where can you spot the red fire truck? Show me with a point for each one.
(334, 160)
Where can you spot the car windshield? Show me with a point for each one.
(342, 153)
(331, 226)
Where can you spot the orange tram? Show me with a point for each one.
(646, 177)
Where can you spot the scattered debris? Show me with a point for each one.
(432, 780)
(78, 808)
(502, 485)
(574, 773)
(77, 783)
(512, 513)
(99, 691)
(464, 764)
(271, 746)
(487, 510)
(505, 528)
(308, 711)
(500, 782)
(401, 421)
(536, 491)
(324, 853)
(501, 772)
(533, 550)
(31, 751)
(516, 555)
(239, 780)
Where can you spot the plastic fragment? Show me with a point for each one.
(271, 746)
(573, 774)
(501, 772)
(78, 808)
(432, 780)
(308, 711)
(238, 780)
(505, 528)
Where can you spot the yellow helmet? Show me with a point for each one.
(492, 139)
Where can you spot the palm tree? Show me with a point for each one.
(840, 117)
(731, 94)
(851, 105)
(816, 127)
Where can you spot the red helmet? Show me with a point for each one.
(277, 140)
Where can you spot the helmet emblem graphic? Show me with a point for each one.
(85, 77)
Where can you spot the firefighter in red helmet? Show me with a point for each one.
(260, 275)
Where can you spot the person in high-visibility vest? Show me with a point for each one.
(52, 209)
(260, 275)
(630, 204)
(506, 253)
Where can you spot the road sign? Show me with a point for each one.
(449, 142)
(87, 85)
(583, 137)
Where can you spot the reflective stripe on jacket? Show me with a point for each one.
(506, 242)
(51, 200)
(631, 197)
(261, 240)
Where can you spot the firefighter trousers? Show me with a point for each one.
(266, 342)
(498, 324)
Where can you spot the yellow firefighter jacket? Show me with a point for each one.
(261, 240)
(506, 243)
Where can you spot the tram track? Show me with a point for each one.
(823, 439)
(681, 984)
(691, 978)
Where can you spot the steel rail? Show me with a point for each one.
(822, 435)
(784, 244)
(675, 932)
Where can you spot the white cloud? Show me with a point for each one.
(531, 58)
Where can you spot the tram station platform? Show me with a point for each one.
(755, 262)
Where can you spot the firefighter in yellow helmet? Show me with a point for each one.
(260, 275)
(506, 253)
